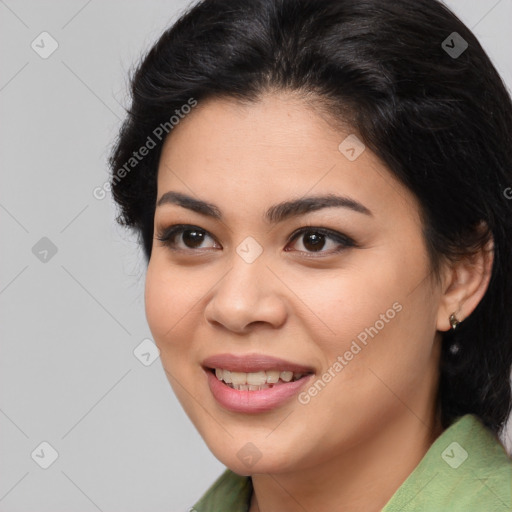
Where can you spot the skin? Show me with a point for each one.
(371, 424)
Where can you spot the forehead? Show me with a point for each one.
(270, 150)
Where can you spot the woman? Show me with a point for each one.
(320, 190)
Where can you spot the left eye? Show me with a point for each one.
(312, 240)
(315, 239)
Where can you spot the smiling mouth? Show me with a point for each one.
(256, 381)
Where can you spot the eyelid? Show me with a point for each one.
(331, 233)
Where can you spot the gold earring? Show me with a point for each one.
(454, 321)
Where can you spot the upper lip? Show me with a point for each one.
(252, 363)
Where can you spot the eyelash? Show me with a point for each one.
(167, 235)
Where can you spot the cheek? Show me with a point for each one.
(350, 300)
(169, 305)
(380, 356)
(168, 299)
(374, 312)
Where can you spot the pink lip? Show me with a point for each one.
(253, 401)
(253, 363)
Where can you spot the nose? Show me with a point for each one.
(249, 294)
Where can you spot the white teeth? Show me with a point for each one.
(286, 376)
(237, 378)
(272, 376)
(255, 381)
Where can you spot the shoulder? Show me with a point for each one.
(466, 469)
(229, 493)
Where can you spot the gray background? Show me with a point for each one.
(71, 321)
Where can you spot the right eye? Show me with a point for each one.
(191, 237)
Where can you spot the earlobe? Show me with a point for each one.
(465, 285)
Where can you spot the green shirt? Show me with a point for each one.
(466, 469)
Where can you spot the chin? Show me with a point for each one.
(246, 457)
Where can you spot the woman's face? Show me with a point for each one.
(349, 302)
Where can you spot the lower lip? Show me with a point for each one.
(253, 401)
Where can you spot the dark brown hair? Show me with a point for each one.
(416, 86)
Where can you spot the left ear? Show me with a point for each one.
(464, 285)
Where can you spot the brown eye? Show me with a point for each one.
(192, 237)
(314, 240)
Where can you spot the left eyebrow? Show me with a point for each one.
(276, 213)
(282, 211)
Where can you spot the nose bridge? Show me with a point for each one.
(248, 292)
(249, 250)
(247, 283)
